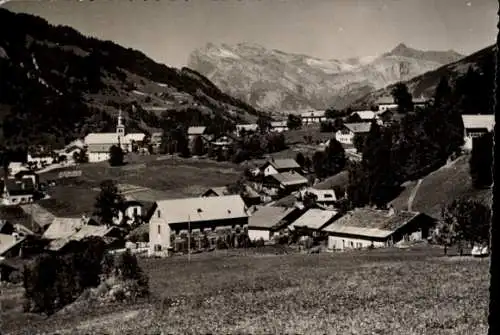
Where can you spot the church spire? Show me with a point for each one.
(120, 127)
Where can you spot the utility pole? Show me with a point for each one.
(189, 238)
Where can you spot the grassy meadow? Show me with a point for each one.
(392, 291)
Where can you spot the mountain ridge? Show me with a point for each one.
(279, 81)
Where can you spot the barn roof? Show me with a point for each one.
(370, 222)
(289, 178)
(283, 164)
(268, 216)
(62, 228)
(202, 209)
(314, 218)
(196, 130)
(366, 115)
(359, 127)
(313, 114)
(101, 138)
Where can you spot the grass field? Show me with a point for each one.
(393, 291)
(442, 187)
(175, 176)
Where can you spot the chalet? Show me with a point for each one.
(99, 144)
(313, 220)
(35, 178)
(194, 132)
(285, 182)
(222, 142)
(275, 166)
(279, 126)
(475, 126)
(266, 221)
(17, 191)
(246, 128)
(386, 103)
(312, 117)
(204, 214)
(346, 134)
(110, 235)
(249, 195)
(61, 228)
(420, 102)
(366, 115)
(365, 227)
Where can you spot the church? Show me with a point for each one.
(98, 144)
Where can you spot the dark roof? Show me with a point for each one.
(268, 217)
(283, 164)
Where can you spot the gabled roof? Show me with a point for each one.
(323, 195)
(202, 209)
(137, 137)
(63, 228)
(479, 121)
(283, 164)
(289, 178)
(366, 115)
(41, 216)
(268, 217)
(385, 101)
(196, 130)
(370, 222)
(7, 242)
(359, 127)
(219, 191)
(83, 232)
(314, 218)
(248, 127)
(313, 114)
(101, 138)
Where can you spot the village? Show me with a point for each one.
(278, 202)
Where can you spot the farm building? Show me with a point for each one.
(249, 195)
(346, 134)
(275, 166)
(279, 126)
(204, 214)
(475, 126)
(110, 235)
(313, 220)
(365, 227)
(323, 197)
(386, 103)
(194, 132)
(313, 117)
(265, 221)
(286, 182)
(366, 115)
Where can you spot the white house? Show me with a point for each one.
(475, 126)
(203, 214)
(385, 104)
(98, 144)
(275, 166)
(366, 115)
(251, 127)
(194, 132)
(346, 134)
(314, 219)
(279, 126)
(313, 117)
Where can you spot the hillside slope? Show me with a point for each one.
(440, 188)
(57, 84)
(425, 84)
(280, 81)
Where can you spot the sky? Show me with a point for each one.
(169, 30)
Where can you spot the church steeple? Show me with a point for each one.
(120, 127)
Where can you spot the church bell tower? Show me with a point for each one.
(120, 128)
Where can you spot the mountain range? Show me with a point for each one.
(57, 84)
(278, 81)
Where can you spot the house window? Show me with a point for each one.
(352, 244)
(159, 213)
(135, 211)
(159, 229)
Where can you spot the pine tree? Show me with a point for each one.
(402, 98)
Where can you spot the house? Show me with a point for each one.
(475, 126)
(246, 128)
(194, 132)
(203, 214)
(17, 191)
(99, 144)
(62, 228)
(312, 117)
(275, 166)
(420, 102)
(366, 115)
(39, 160)
(35, 178)
(278, 126)
(313, 220)
(11, 245)
(366, 227)
(346, 134)
(249, 195)
(39, 216)
(156, 139)
(132, 212)
(323, 197)
(222, 142)
(216, 192)
(285, 182)
(16, 167)
(109, 234)
(266, 221)
(386, 103)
